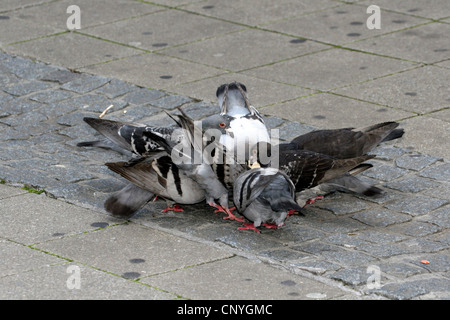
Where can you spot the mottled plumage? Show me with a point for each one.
(264, 196)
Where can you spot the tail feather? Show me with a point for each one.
(124, 203)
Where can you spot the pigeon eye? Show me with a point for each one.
(222, 125)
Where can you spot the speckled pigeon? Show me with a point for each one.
(160, 177)
(341, 144)
(264, 196)
(190, 158)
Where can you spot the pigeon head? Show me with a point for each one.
(231, 86)
(233, 99)
(217, 121)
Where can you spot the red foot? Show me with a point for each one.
(249, 226)
(291, 212)
(311, 201)
(270, 225)
(230, 214)
(174, 208)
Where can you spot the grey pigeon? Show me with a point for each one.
(347, 142)
(264, 196)
(247, 125)
(133, 139)
(160, 177)
(189, 157)
(341, 144)
(308, 169)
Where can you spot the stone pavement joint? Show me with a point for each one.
(342, 75)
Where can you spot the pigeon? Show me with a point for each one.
(132, 139)
(347, 142)
(307, 169)
(264, 196)
(341, 144)
(159, 177)
(247, 126)
(189, 157)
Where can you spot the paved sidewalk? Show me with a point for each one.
(306, 65)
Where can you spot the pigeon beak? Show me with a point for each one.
(254, 165)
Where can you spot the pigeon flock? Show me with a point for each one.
(230, 156)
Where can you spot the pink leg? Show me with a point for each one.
(270, 225)
(311, 201)
(249, 226)
(174, 208)
(230, 214)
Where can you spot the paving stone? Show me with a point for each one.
(415, 228)
(412, 184)
(345, 206)
(411, 289)
(25, 88)
(61, 76)
(352, 276)
(143, 96)
(291, 130)
(380, 217)
(85, 83)
(316, 266)
(51, 96)
(439, 172)
(26, 68)
(384, 172)
(320, 70)
(400, 269)
(441, 217)
(171, 102)
(415, 205)
(328, 25)
(399, 44)
(388, 153)
(200, 110)
(439, 262)
(416, 161)
(116, 88)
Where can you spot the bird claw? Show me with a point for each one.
(270, 225)
(230, 214)
(311, 201)
(174, 208)
(249, 226)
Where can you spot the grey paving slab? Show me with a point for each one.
(433, 37)
(342, 24)
(117, 249)
(154, 70)
(273, 92)
(17, 258)
(159, 30)
(434, 9)
(428, 135)
(420, 90)
(6, 192)
(27, 23)
(51, 283)
(30, 218)
(250, 48)
(268, 11)
(331, 111)
(330, 69)
(192, 282)
(72, 50)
